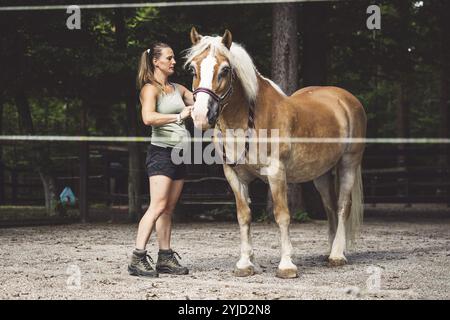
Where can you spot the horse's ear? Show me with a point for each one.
(227, 39)
(195, 36)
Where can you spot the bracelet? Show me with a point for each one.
(179, 118)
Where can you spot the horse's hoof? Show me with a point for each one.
(337, 262)
(287, 273)
(245, 272)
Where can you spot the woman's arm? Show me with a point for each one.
(187, 95)
(150, 117)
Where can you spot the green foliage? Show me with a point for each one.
(60, 71)
(21, 213)
(222, 211)
(301, 216)
(263, 216)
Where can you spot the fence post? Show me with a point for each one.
(14, 186)
(2, 180)
(84, 159)
(107, 175)
(84, 163)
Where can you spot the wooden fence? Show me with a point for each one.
(390, 175)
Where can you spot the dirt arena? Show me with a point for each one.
(394, 260)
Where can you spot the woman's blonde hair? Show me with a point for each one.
(146, 67)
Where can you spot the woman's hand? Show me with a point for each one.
(186, 112)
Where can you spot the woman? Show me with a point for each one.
(163, 108)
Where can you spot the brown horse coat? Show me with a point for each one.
(313, 112)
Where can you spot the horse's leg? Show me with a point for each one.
(245, 266)
(278, 188)
(347, 169)
(325, 185)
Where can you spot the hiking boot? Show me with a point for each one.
(140, 265)
(168, 263)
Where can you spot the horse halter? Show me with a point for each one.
(220, 100)
(215, 96)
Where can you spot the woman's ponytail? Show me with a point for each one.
(146, 68)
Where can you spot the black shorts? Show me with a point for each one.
(159, 162)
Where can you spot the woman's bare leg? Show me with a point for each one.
(159, 198)
(164, 222)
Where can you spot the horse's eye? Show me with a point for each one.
(192, 71)
(225, 71)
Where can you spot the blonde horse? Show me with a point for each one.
(231, 94)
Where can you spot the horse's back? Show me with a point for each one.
(318, 92)
(339, 100)
(309, 89)
(319, 112)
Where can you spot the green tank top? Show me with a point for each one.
(171, 134)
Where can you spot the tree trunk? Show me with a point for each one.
(285, 47)
(134, 165)
(444, 162)
(134, 159)
(444, 99)
(285, 74)
(402, 120)
(444, 74)
(314, 66)
(405, 69)
(51, 200)
(39, 157)
(444, 108)
(2, 167)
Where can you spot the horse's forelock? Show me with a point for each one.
(205, 43)
(238, 57)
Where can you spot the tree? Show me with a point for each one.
(444, 95)
(405, 69)
(129, 94)
(2, 171)
(285, 73)
(39, 156)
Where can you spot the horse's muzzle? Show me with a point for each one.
(200, 122)
(205, 117)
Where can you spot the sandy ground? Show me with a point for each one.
(394, 260)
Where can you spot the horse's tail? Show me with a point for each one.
(355, 217)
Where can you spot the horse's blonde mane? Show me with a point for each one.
(239, 59)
